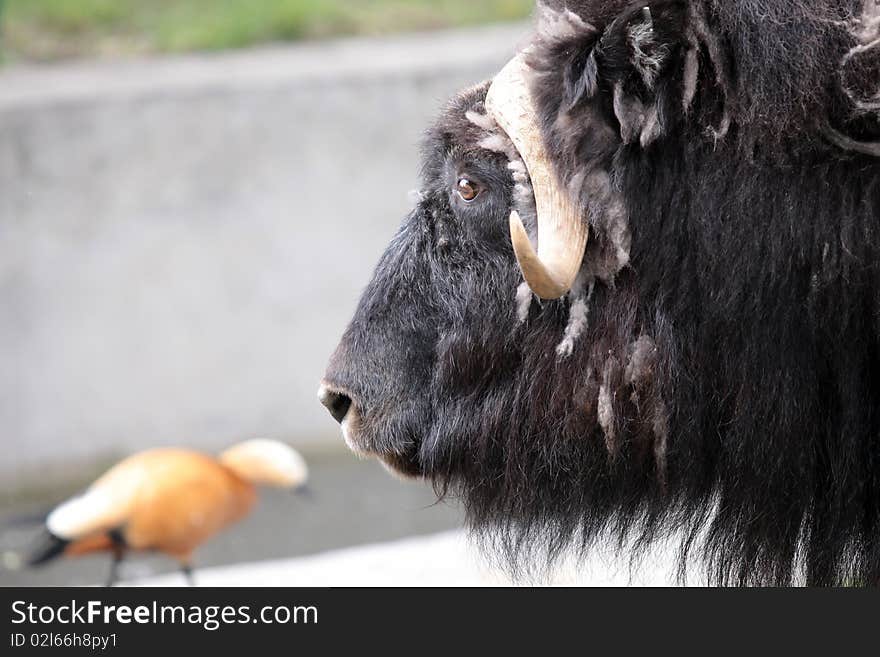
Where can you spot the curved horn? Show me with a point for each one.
(562, 232)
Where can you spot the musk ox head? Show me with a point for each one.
(692, 346)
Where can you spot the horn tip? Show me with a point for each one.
(534, 272)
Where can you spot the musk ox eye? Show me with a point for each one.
(468, 190)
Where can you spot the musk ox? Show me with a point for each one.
(693, 348)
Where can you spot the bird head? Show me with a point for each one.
(266, 462)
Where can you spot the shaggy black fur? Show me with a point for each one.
(725, 387)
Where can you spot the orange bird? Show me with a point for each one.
(167, 500)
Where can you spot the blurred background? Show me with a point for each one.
(192, 195)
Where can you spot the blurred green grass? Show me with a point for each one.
(39, 30)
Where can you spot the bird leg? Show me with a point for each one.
(186, 569)
(113, 576)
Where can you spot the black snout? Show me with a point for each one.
(336, 402)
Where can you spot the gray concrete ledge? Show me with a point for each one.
(408, 55)
(183, 239)
(446, 559)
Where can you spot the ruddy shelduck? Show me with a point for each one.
(167, 500)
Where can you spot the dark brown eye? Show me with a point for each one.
(467, 189)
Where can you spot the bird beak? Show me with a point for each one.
(305, 491)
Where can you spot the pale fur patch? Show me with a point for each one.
(495, 143)
(866, 30)
(578, 316)
(523, 301)
(560, 25)
(660, 427)
(640, 368)
(651, 129)
(691, 73)
(483, 121)
(605, 414)
(641, 360)
(618, 232)
(349, 427)
(495, 139)
(648, 56)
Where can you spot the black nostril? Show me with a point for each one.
(336, 402)
(339, 406)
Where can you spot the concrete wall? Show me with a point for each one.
(183, 240)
